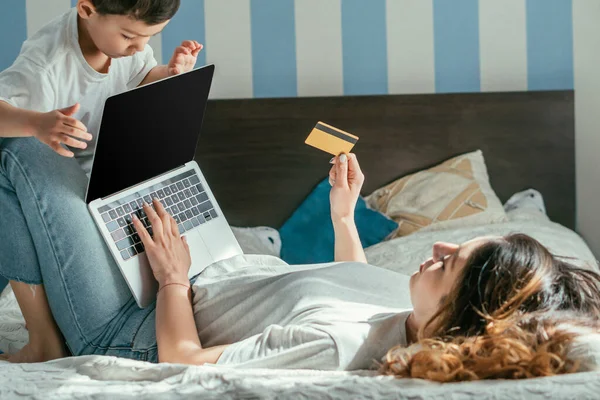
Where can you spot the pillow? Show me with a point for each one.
(527, 205)
(3, 283)
(405, 254)
(307, 236)
(453, 194)
(258, 240)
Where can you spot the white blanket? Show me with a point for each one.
(112, 378)
(109, 377)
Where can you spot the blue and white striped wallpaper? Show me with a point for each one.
(287, 48)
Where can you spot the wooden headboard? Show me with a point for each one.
(253, 155)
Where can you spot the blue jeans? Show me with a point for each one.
(48, 237)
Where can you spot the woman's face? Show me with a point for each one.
(437, 275)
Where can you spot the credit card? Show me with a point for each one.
(331, 140)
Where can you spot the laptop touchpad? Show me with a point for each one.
(201, 257)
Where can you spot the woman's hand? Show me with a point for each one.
(167, 251)
(346, 180)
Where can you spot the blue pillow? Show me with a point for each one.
(307, 236)
(3, 283)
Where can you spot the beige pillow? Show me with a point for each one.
(453, 194)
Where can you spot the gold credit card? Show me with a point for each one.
(331, 140)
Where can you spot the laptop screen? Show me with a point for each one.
(148, 131)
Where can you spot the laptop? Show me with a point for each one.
(145, 150)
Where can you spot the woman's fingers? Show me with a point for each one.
(154, 220)
(354, 171)
(345, 170)
(332, 175)
(353, 163)
(163, 215)
(174, 228)
(141, 230)
(158, 207)
(341, 171)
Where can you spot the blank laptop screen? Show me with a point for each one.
(148, 131)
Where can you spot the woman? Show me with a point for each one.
(332, 316)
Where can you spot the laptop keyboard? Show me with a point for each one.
(183, 196)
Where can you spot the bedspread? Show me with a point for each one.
(110, 377)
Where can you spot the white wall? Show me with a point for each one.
(586, 26)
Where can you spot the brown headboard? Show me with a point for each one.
(253, 155)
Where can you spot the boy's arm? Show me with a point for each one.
(53, 128)
(157, 73)
(16, 122)
(183, 60)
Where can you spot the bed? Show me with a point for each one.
(253, 156)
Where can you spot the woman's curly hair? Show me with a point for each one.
(505, 317)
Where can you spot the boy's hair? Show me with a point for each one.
(152, 12)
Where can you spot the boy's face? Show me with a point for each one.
(116, 35)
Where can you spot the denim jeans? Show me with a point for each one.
(47, 236)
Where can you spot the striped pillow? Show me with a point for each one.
(452, 194)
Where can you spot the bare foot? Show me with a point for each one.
(31, 353)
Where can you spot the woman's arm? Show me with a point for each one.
(347, 241)
(169, 257)
(176, 334)
(346, 180)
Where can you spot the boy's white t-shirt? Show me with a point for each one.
(51, 73)
(338, 316)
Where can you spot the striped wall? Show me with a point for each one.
(283, 48)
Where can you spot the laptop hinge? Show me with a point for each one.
(141, 183)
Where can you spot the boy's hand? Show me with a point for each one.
(56, 127)
(184, 57)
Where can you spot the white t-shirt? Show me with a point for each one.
(338, 316)
(51, 73)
